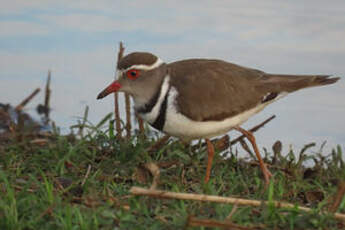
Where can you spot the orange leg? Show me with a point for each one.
(210, 151)
(251, 138)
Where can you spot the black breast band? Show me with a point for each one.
(160, 120)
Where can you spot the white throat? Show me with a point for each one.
(153, 114)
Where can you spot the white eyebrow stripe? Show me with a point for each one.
(146, 67)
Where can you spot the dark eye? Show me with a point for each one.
(133, 74)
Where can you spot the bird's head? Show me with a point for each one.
(138, 74)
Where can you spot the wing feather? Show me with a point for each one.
(213, 89)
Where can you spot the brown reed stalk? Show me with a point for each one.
(141, 125)
(116, 96)
(128, 116)
(47, 98)
(338, 197)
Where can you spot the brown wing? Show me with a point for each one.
(213, 89)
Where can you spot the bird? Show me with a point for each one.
(203, 98)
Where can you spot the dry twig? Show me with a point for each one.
(158, 143)
(117, 115)
(27, 100)
(47, 98)
(116, 96)
(232, 212)
(195, 222)
(246, 148)
(338, 197)
(128, 116)
(86, 175)
(20, 188)
(48, 211)
(218, 199)
(39, 141)
(154, 170)
(141, 125)
(127, 101)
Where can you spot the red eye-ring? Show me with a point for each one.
(133, 74)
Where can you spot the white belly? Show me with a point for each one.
(178, 125)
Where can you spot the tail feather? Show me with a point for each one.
(324, 80)
(290, 83)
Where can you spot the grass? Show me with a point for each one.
(46, 186)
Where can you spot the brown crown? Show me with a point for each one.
(137, 58)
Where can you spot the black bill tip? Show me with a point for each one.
(102, 95)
